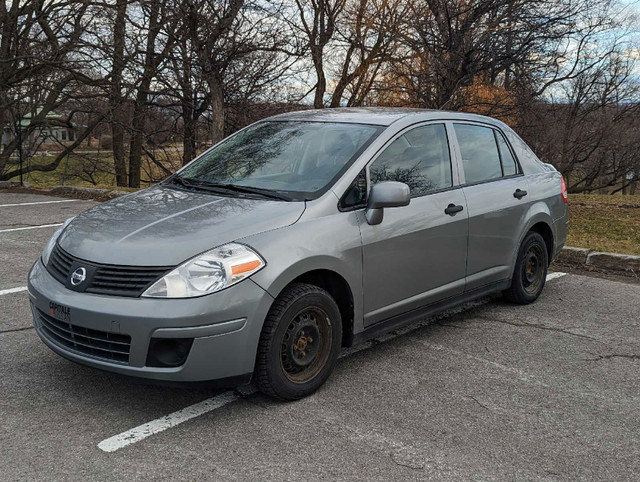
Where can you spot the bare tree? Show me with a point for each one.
(368, 32)
(318, 23)
(144, 74)
(37, 46)
(210, 24)
(183, 82)
(116, 98)
(593, 142)
(519, 45)
(157, 16)
(224, 55)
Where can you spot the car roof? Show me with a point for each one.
(383, 116)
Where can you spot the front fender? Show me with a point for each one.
(330, 243)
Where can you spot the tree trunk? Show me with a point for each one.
(8, 25)
(188, 103)
(115, 94)
(321, 86)
(189, 139)
(217, 108)
(135, 149)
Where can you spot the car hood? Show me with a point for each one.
(162, 226)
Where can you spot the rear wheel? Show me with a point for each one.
(530, 271)
(299, 343)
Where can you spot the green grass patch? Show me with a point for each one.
(73, 170)
(605, 223)
(94, 169)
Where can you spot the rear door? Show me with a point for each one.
(417, 255)
(497, 201)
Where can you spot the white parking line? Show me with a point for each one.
(161, 424)
(39, 202)
(30, 227)
(13, 290)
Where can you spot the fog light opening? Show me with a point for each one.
(168, 352)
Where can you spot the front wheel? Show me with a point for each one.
(300, 342)
(530, 271)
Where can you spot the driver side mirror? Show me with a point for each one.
(387, 194)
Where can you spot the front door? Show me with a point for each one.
(417, 255)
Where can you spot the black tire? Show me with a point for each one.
(530, 271)
(304, 320)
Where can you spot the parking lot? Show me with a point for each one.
(490, 391)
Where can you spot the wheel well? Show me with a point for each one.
(339, 289)
(544, 230)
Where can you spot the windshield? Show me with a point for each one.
(299, 159)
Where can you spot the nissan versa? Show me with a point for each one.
(296, 236)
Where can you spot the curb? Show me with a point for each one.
(67, 191)
(87, 192)
(624, 264)
(13, 184)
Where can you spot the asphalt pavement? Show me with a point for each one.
(491, 391)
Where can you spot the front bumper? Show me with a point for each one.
(225, 327)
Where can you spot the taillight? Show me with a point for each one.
(563, 191)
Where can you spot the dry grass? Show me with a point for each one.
(605, 223)
(94, 169)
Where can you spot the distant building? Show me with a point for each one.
(52, 131)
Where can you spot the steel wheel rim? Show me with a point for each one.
(306, 345)
(533, 269)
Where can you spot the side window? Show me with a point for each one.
(526, 156)
(509, 166)
(419, 158)
(480, 158)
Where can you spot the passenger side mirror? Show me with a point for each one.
(387, 194)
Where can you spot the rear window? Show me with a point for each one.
(480, 156)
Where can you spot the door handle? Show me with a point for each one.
(519, 194)
(452, 209)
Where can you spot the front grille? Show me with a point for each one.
(105, 279)
(124, 281)
(113, 347)
(60, 264)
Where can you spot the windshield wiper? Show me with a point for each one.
(217, 187)
(177, 179)
(250, 190)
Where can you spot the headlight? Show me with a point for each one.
(52, 241)
(207, 273)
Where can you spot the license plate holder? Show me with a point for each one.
(59, 311)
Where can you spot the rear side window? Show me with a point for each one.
(528, 160)
(419, 158)
(480, 157)
(509, 166)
